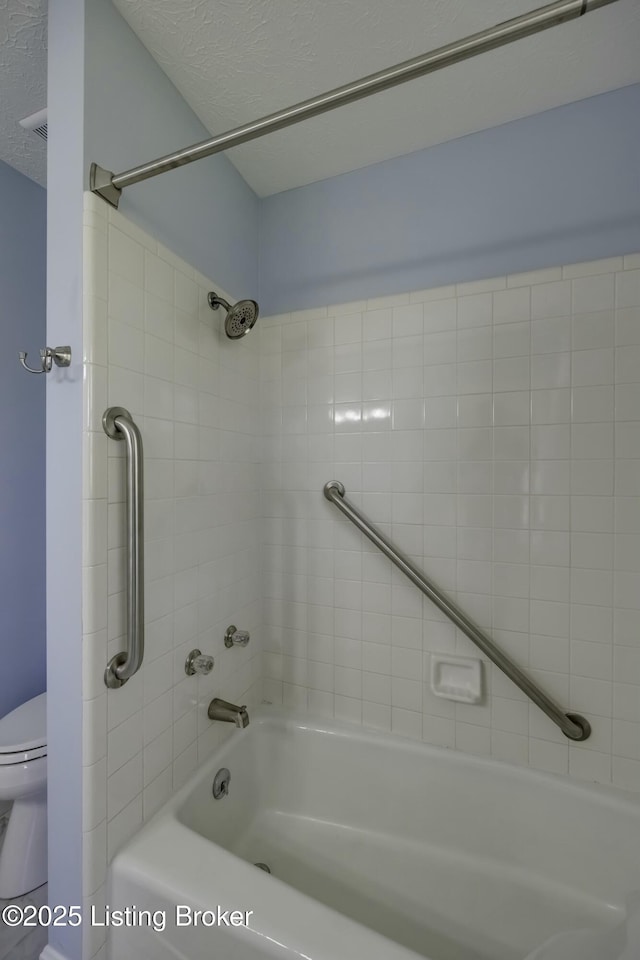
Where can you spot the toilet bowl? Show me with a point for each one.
(23, 780)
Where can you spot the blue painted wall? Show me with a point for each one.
(206, 212)
(558, 187)
(22, 439)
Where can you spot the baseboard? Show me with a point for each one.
(50, 953)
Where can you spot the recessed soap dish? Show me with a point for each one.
(456, 678)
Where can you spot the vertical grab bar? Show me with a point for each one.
(118, 424)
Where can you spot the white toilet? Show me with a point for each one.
(23, 779)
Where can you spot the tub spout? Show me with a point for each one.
(228, 712)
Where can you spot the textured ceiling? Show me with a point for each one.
(236, 60)
(23, 83)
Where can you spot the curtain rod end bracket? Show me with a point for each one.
(101, 182)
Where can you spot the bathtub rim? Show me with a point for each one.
(288, 719)
(144, 859)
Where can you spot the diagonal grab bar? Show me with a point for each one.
(572, 725)
(118, 424)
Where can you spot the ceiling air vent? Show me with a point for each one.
(37, 122)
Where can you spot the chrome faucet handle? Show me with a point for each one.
(236, 638)
(198, 662)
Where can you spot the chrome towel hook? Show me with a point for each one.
(61, 356)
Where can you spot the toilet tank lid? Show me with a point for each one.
(25, 727)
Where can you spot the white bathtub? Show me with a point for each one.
(380, 849)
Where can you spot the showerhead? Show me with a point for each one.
(240, 317)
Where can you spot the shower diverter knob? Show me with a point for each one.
(236, 638)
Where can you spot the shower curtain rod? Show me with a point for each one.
(110, 186)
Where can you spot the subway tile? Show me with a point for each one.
(511, 443)
(511, 476)
(591, 441)
(123, 743)
(549, 653)
(551, 335)
(511, 546)
(626, 739)
(550, 406)
(123, 826)
(511, 580)
(626, 586)
(592, 514)
(440, 347)
(158, 277)
(475, 310)
(551, 477)
(440, 315)
(551, 299)
(550, 583)
(550, 547)
(123, 785)
(511, 373)
(591, 696)
(592, 660)
(591, 623)
(549, 618)
(591, 331)
(407, 320)
(551, 371)
(628, 289)
(591, 293)
(474, 376)
(474, 344)
(475, 411)
(511, 339)
(125, 302)
(592, 477)
(511, 305)
(627, 361)
(592, 367)
(512, 408)
(626, 665)
(627, 326)
(456, 482)
(592, 550)
(551, 442)
(126, 257)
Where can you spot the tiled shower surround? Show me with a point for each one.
(153, 346)
(492, 429)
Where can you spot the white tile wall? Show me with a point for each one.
(493, 431)
(152, 345)
(491, 428)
